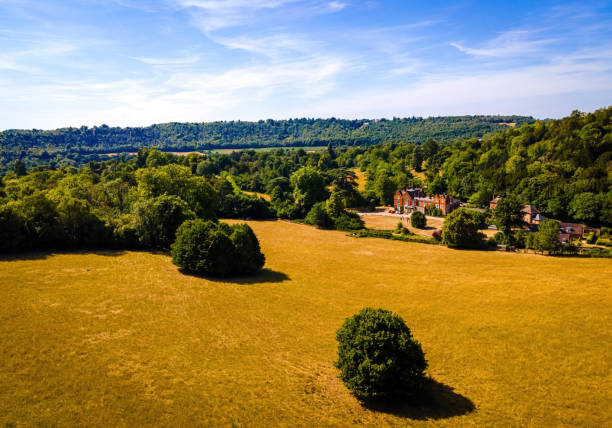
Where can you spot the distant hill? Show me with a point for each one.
(79, 145)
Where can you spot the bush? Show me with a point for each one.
(418, 220)
(287, 210)
(461, 230)
(206, 247)
(433, 211)
(604, 241)
(348, 221)
(244, 206)
(520, 239)
(378, 357)
(319, 217)
(500, 238)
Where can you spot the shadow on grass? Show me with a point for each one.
(436, 401)
(263, 276)
(42, 255)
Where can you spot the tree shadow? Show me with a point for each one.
(42, 255)
(435, 401)
(263, 276)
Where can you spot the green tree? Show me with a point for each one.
(417, 159)
(248, 252)
(206, 247)
(81, 226)
(430, 148)
(547, 238)
(318, 216)
(19, 168)
(345, 181)
(508, 214)
(156, 158)
(460, 230)
(157, 219)
(12, 229)
(584, 207)
(384, 187)
(378, 357)
(335, 204)
(178, 180)
(309, 187)
(418, 220)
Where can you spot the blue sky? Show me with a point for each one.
(138, 62)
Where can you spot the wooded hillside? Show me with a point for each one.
(77, 146)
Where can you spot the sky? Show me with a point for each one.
(138, 62)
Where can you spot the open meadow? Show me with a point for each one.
(125, 339)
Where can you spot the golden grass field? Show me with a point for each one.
(385, 222)
(125, 339)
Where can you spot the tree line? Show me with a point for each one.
(77, 146)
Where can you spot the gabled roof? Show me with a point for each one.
(576, 228)
(530, 209)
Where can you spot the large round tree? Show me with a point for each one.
(460, 229)
(418, 220)
(207, 247)
(378, 357)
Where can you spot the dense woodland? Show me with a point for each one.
(141, 202)
(77, 146)
(563, 167)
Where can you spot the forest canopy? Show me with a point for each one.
(77, 146)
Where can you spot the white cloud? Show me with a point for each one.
(211, 15)
(492, 91)
(336, 6)
(169, 63)
(508, 44)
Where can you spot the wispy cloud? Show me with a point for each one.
(214, 15)
(211, 15)
(176, 63)
(509, 44)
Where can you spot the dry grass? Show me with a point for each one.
(420, 175)
(387, 222)
(116, 339)
(361, 179)
(259, 195)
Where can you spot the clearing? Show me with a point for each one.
(124, 338)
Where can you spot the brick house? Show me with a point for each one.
(531, 215)
(409, 200)
(574, 230)
(493, 202)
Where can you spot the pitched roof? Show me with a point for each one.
(530, 209)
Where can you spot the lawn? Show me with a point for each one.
(389, 222)
(125, 339)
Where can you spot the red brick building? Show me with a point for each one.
(531, 215)
(409, 200)
(493, 202)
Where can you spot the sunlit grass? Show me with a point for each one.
(112, 339)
